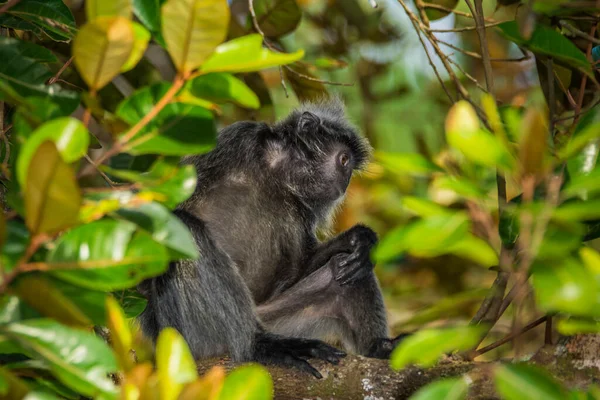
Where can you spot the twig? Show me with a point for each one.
(466, 28)
(510, 337)
(8, 5)
(106, 178)
(60, 72)
(578, 32)
(583, 81)
(467, 75)
(451, 10)
(485, 54)
(479, 56)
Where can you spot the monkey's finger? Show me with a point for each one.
(327, 353)
(306, 367)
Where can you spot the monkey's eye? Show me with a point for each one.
(344, 159)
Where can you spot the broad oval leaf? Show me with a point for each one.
(248, 382)
(533, 145)
(221, 88)
(39, 293)
(175, 364)
(164, 227)
(106, 255)
(277, 17)
(192, 29)
(52, 197)
(79, 359)
(443, 389)
(51, 17)
(148, 12)
(207, 387)
(107, 8)
(565, 286)
(69, 136)
(141, 37)
(101, 48)
(120, 334)
(547, 41)
(179, 129)
(573, 326)
(520, 381)
(406, 163)
(425, 347)
(246, 54)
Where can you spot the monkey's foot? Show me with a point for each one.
(293, 352)
(382, 347)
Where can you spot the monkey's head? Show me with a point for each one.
(314, 151)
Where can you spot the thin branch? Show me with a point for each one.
(578, 32)
(451, 10)
(485, 52)
(8, 5)
(479, 56)
(60, 72)
(106, 178)
(510, 337)
(583, 80)
(466, 28)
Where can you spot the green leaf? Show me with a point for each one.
(586, 185)
(179, 129)
(434, 14)
(106, 255)
(547, 41)
(9, 309)
(164, 227)
(52, 197)
(107, 8)
(447, 307)
(443, 389)
(565, 286)
(406, 163)
(574, 326)
(428, 237)
(459, 185)
(148, 12)
(425, 347)
(533, 144)
(520, 381)
(463, 133)
(221, 88)
(277, 17)
(34, 113)
(16, 92)
(579, 141)
(17, 240)
(101, 49)
(141, 37)
(90, 302)
(79, 359)
(246, 54)
(69, 135)
(174, 363)
(193, 29)
(248, 382)
(132, 302)
(423, 207)
(578, 210)
(170, 183)
(475, 249)
(51, 17)
(49, 301)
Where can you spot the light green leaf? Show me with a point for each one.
(69, 135)
(444, 389)
(174, 363)
(120, 334)
(141, 37)
(475, 249)
(106, 255)
(101, 49)
(11, 387)
(406, 163)
(425, 347)
(423, 207)
(221, 88)
(52, 197)
(79, 359)
(246, 54)
(192, 29)
(107, 8)
(248, 382)
(520, 381)
(573, 326)
(579, 141)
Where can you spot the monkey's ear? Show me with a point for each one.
(308, 121)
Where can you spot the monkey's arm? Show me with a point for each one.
(348, 254)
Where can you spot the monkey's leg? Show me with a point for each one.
(319, 307)
(207, 301)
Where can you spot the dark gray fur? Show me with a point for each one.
(263, 280)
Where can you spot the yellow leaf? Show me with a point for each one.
(119, 333)
(175, 364)
(141, 37)
(193, 29)
(533, 145)
(107, 8)
(101, 48)
(52, 197)
(207, 387)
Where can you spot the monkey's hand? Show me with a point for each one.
(350, 267)
(293, 352)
